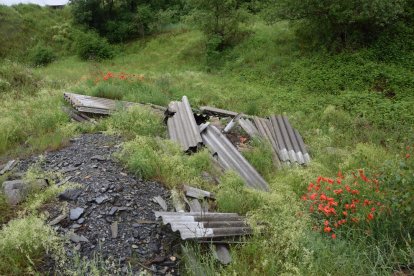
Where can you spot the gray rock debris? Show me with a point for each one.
(17, 190)
(77, 238)
(98, 158)
(76, 213)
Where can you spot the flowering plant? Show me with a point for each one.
(121, 76)
(343, 201)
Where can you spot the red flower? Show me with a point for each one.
(339, 180)
(327, 229)
(333, 236)
(304, 197)
(313, 196)
(323, 197)
(340, 175)
(373, 209)
(330, 181)
(347, 188)
(355, 192)
(370, 216)
(407, 156)
(338, 192)
(345, 213)
(326, 222)
(319, 179)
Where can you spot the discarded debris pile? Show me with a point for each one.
(202, 224)
(287, 144)
(93, 105)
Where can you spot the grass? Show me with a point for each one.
(353, 111)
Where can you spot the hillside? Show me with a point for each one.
(353, 109)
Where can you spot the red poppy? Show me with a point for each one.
(338, 192)
(407, 156)
(345, 213)
(370, 216)
(355, 192)
(333, 236)
(340, 175)
(327, 229)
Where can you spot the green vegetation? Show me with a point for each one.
(352, 105)
(23, 243)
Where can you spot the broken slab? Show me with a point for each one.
(161, 202)
(76, 213)
(114, 229)
(8, 167)
(197, 193)
(182, 126)
(77, 238)
(17, 190)
(222, 254)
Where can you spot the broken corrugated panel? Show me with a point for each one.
(231, 159)
(265, 130)
(199, 225)
(286, 141)
(248, 127)
(197, 193)
(218, 112)
(291, 138)
(8, 167)
(182, 126)
(89, 104)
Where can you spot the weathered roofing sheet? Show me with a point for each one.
(230, 158)
(199, 225)
(286, 141)
(218, 111)
(95, 105)
(182, 126)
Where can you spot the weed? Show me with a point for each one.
(24, 242)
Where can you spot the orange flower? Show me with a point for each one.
(327, 229)
(407, 156)
(345, 213)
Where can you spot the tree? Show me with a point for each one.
(342, 22)
(219, 20)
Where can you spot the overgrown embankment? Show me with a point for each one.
(352, 108)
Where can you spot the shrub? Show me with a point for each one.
(24, 243)
(41, 56)
(343, 23)
(90, 46)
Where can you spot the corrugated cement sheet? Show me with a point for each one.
(230, 158)
(199, 225)
(95, 105)
(286, 141)
(182, 126)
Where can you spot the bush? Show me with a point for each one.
(90, 46)
(343, 23)
(24, 243)
(41, 56)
